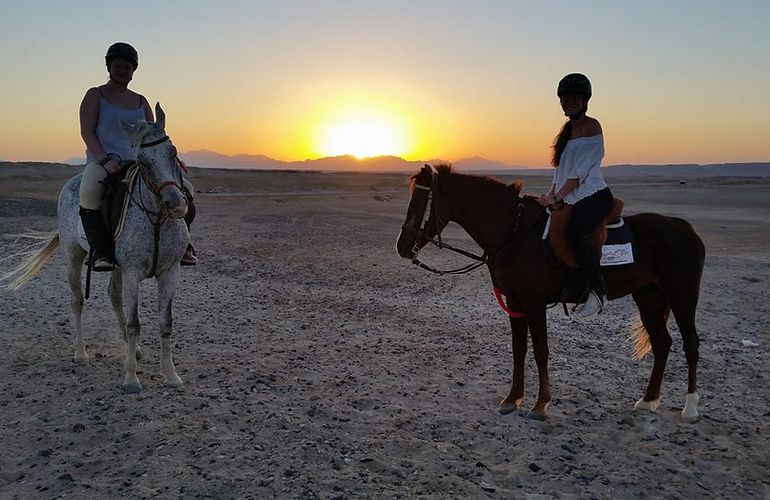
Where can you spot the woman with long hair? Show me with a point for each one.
(577, 155)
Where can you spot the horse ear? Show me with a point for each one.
(160, 116)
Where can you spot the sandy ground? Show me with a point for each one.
(317, 363)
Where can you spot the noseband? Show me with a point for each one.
(153, 187)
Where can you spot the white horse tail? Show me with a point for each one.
(33, 259)
(640, 340)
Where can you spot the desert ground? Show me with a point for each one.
(319, 364)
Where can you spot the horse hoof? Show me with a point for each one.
(650, 406)
(537, 415)
(133, 387)
(505, 408)
(81, 359)
(690, 411)
(174, 382)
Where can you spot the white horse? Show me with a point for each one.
(153, 239)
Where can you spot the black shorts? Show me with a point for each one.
(587, 214)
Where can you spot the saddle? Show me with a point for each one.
(115, 198)
(557, 232)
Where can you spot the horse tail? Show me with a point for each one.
(33, 259)
(640, 340)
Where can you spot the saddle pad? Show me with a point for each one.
(119, 202)
(618, 250)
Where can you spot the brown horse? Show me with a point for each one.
(664, 278)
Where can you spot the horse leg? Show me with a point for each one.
(515, 396)
(685, 319)
(131, 382)
(653, 311)
(539, 331)
(74, 270)
(116, 297)
(166, 288)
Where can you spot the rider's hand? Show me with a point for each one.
(546, 200)
(112, 167)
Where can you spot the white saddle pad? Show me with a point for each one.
(617, 255)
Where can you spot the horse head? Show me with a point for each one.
(417, 231)
(158, 162)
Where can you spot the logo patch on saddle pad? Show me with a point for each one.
(618, 250)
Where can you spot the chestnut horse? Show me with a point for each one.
(664, 278)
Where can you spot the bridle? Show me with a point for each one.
(431, 209)
(156, 219)
(153, 187)
(422, 231)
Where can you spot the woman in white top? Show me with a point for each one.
(108, 150)
(577, 156)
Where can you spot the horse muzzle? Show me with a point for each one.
(174, 203)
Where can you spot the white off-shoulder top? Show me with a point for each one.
(581, 160)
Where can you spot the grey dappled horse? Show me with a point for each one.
(156, 200)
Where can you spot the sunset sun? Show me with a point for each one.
(363, 135)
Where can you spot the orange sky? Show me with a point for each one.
(296, 80)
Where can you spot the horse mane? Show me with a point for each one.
(448, 169)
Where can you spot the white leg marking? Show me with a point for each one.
(647, 405)
(690, 411)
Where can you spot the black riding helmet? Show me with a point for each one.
(122, 50)
(574, 83)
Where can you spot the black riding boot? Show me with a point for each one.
(99, 239)
(593, 301)
(189, 258)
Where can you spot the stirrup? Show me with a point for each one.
(592, 306)
(103, 264)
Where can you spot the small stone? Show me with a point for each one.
(66, 477)
(567, 448)
(78, 427)
(534, 467)
(11, 476)
(487, 487)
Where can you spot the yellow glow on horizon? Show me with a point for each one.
(362, 133)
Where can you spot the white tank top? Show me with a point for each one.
(108, 131)
(581, 159)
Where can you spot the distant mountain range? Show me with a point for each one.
(476, 164)
(204, 158)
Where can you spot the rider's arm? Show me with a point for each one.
(566, 188)
(89, 116)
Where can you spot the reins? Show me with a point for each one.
(436, 240)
